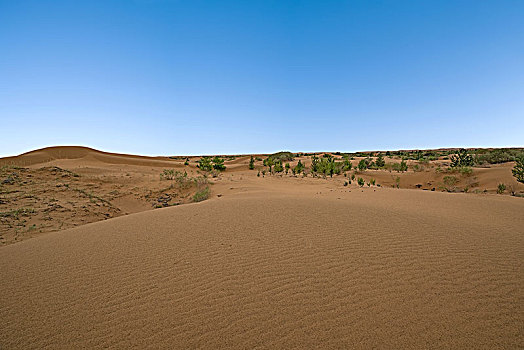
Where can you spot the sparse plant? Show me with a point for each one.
(360, 181)
(501, 188)
(251, 163)
(201, 195)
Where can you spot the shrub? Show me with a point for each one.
(205, 164)
(281, 156)
(465, 171)
(501, 188)
(495, 156)
(360, 181)
(362, 165)
(186, 162)
(461, 159)
(372, 181)
(449, 183)
(518, 170)
(201, 195)
(353, 177)
(298, 168)
(167, 174)
(380, 162)
(251, 163)
(403, 166)
(218, 164)
(287, 168)
(278, 167)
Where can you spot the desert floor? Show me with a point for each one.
(265, 262)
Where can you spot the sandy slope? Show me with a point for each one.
(286, 267)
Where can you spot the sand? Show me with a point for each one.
(276, 263)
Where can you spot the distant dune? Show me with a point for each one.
(49, 154)
(266, 262)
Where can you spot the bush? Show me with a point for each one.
(281, 156)
(461, 159)
(501, 188)
(298, 168)
(372, 181)
(380, 162)
(205, 164)
(251, 163)
(167, 174)
(186, 162)
(278, 167)
(287, 168)
(449, 183)
(496, 156)
(362, 165)
(518, 170)
(360, 181)
(201, 195)
(218, 164)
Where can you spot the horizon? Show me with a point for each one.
(262, 154)
(162, 77)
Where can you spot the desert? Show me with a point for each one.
(283, 174)
(118, 251)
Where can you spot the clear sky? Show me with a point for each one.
(167, 77)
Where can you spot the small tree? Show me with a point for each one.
(380, 162)
(218, 164)
(298, 168)
(205, 164)
(403, 166)
(461, 158)
(278, 167)
(269, 163)
(186, 162)
(252, 163)
(287, 168)
(360, 181)
(518, 170)
(362, 165)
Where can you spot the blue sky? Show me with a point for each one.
(164, 77)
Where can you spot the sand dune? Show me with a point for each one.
(50, 154)
(276, 269)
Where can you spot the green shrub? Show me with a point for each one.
(287, 168)
(186, 162)
(362, 165)
(372, 181)
(461, 159)
(251, 163)
(278, 167)
(298, 168)
(518, 169)
(501, 188)
(360, 181)
(205, 164)
(281, 156)
(218, 164)
(380, 162)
